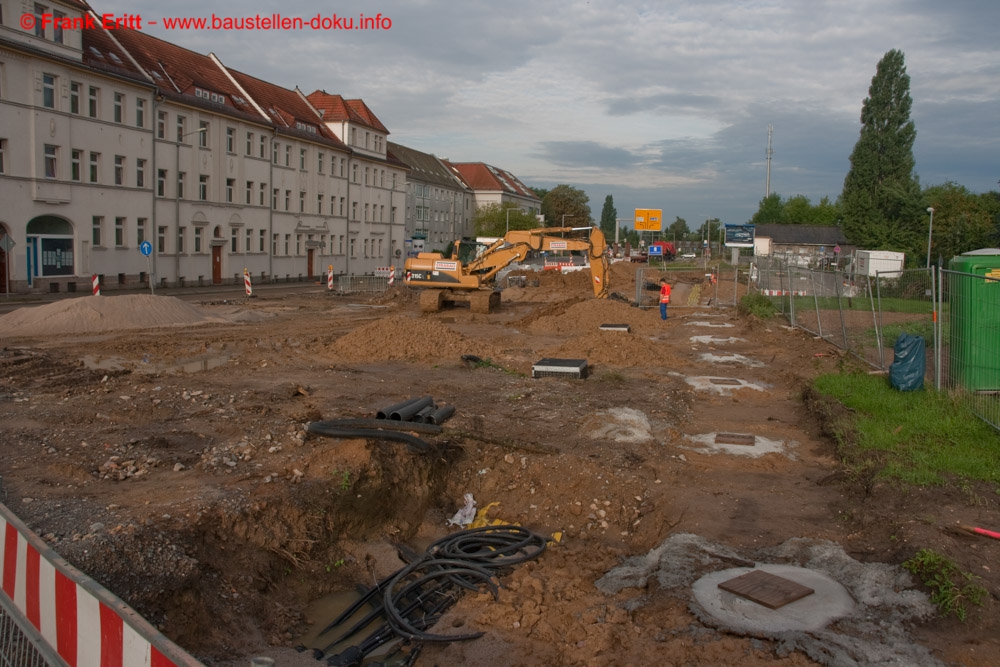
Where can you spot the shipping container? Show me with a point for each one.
(870, 262)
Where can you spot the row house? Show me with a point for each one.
(439, 208)
(115, 141)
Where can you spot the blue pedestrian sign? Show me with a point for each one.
(146, 248)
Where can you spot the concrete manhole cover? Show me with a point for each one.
(811, 612)
(764, 588)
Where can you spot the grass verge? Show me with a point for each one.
(920, 438)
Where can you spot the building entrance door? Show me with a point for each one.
(217, 265)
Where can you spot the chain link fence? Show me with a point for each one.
(957, 314)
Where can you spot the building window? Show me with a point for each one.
(249, 192)
(354, 210)
(161, 239)
(263, 191)
(140, 231)
(302, 158)
(119, 170)
(302, 202)
(366, 212)
(39, 23)
(319, 204)
(230, 139)
(181, 125)
(161, 124)
(180, 240)
(93, 95)
(50, 161)
(341, 207)
(140, 173)
(181, 177)
(48, 91)
(392, 214)
(287, 240)
(203, 187)
(354, 171)
(274, 153)
(95, 163)
(161, 182)
(354, 136)
(298, 244)
(119, 232)
(319, 162)
(261, 240)
(119, 101)
(140, 113)
(249, 240)
(74, 97)
(234, 240)
(288, 200)
(230, 186)
(249, 148)
(274, 199)
(366, 175)
(97, 222)
(352, 248)
(288, 155)
(263, 147)
(75, 164)
(203, 134)
(343, 168)
(198, 233)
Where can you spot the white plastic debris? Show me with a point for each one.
(464, 516)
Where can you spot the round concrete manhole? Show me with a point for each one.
(829, 601)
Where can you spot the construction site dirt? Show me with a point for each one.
(162, 446)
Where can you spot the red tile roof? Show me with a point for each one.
(102, 53)
(178, 72)
(481, 176)
(336, 108)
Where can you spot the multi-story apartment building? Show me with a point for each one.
(439, 208)
(492, 185)
(109, 139)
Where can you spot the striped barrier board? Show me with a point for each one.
(778, 292)
(70, 614)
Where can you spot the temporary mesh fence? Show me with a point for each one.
(957, 314)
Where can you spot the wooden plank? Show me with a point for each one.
(767, 589)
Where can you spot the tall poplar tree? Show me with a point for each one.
(881, 198)
(608, 216)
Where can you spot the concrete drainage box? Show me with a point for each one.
(565, 368)
(616, 327)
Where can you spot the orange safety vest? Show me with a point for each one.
(665, 294)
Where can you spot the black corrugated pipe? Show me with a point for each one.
(424, 415)
(388, 424)
(385, 412)
(407, 412)
(412, 441)
(441, 414)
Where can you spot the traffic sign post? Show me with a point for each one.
(146, 248)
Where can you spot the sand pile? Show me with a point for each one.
(579, 316)
(398, 338)
(614, 348)
(96, 314)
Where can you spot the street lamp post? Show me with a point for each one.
(508, 219)
(930, 232)
(177, 195)
(565, 215)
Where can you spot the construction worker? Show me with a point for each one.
(664, 297)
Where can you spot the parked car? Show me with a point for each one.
(689, 255)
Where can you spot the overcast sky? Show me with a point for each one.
(660, 104)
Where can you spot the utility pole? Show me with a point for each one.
(768, 153)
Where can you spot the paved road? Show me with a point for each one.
(220, 292)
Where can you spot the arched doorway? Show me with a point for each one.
(49, 248)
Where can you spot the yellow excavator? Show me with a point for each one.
(469, 274)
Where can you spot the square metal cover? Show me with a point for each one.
(767, 589)
(726, 381)
(747, 439)
(548, 367)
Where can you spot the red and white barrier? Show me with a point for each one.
(246, 282)
(392, 275)
(778, 292)
(382, 271)
(81, 621)
(329, 278)
(95, 285)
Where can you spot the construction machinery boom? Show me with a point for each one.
(470, 273)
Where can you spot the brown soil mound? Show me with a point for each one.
(580, 316)
(615, 348)
(102, 313)
(400, 338)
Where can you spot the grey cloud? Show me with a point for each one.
(587, 154)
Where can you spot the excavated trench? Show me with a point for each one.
(248, 561)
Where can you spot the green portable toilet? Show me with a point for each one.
(974, 358)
